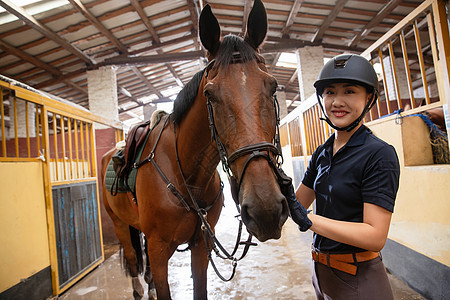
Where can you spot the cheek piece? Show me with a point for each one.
(349, 127)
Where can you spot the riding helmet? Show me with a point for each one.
(348, 68)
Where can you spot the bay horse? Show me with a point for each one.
(229, 107)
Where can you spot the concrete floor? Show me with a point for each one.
(277, 269)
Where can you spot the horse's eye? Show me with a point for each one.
(209, 95)
(210, 91)
(274, 90)
(272, 84)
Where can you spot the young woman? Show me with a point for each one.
(354, 178)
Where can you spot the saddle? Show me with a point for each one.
(123, 161)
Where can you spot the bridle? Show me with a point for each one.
(269, 151)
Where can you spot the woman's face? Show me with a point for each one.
(344, 102)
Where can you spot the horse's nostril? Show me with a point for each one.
(244, 214)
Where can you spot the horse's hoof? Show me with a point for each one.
(152, 294)
(136, 296)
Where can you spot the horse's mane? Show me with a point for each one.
(231, 44)
(186, 97)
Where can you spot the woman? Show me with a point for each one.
(354, 178)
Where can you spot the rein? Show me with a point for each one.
(208, 234)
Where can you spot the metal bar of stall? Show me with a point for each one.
(16, 138)
(27, 129)
(2, 109)
(88, 159)
(434, 51)
(407, 69)
(49, 200)
(386, 92)
(38, 139)
(310, 138)
(394, 75)
(55, 146)
(83, 175)
(315, 128)
(93, 154)
(69, 137)
(441, 24)
(319, 130)
(75, 129)
(378, 102)
(305, 121)
(63, 145)
(421, 62)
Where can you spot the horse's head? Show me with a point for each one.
(243, 115)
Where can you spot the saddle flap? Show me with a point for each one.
(136, 137)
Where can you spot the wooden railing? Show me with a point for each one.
(412, 61)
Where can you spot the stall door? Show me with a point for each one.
(77, 229)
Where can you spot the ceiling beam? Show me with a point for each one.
(277, 45)
(130, 96)
(146, 82)
(275, 60)
(94, 21)
(47, 32)
(164, 100)
(193, 11)
(331, 17)
(386, 10)
(146, 21)
(153, 59)
(291, 19)
(27, 57)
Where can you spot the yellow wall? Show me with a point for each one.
(24, 246)
(420, 220)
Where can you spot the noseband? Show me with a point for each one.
(262, 149)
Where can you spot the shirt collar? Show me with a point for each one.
(358, 138)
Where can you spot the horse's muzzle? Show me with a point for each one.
(264, 217)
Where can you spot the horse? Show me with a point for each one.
(228, 113)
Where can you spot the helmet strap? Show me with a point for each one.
(355, 123)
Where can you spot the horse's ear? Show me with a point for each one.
(256, 25)
(209, 30)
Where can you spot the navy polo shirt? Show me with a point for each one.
(365, 170)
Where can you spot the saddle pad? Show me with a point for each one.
(110, 177)
(111, 174)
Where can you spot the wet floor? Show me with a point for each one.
(278, 269)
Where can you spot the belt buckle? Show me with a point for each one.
(315, 255)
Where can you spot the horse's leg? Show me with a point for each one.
(148, 275)
(123, 234)
(159, 254)
(199, 267)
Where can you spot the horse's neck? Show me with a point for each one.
(199, 156)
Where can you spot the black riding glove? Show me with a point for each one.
(297, 212)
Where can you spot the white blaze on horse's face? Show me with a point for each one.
(243, 77)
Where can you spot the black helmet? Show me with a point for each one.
(348, 68)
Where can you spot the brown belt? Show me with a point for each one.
(343, 262)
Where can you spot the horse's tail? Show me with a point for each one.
(136, 241)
